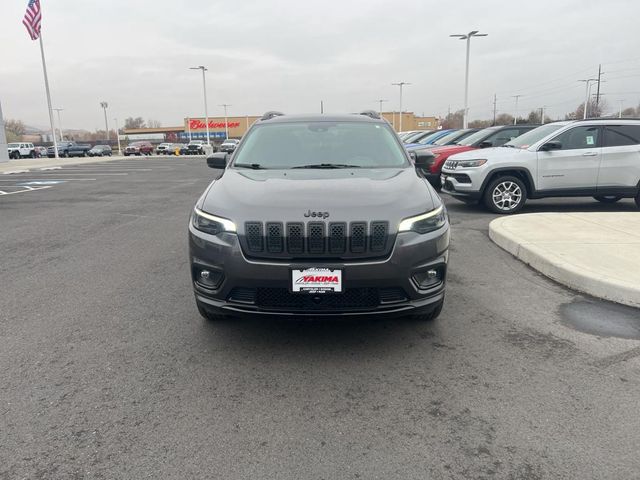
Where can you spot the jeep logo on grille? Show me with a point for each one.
(311, 214)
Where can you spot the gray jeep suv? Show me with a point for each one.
(319, 216)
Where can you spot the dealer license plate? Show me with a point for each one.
(316, 280)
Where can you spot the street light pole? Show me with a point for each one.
(621, 102)
(226, 123)
(381, 101)
(118, 136)
(400, 84)
(467, 37)
(58, 110)
(515, 116)
(104, 106)
(587, 92)
(206, 108)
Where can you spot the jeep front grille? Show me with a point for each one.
(316, 239)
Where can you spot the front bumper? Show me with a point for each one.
(412, 253)
(463, 185)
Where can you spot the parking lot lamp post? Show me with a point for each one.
(381, 101)
(587, 92)
(104, 106)
(59, 122)
(400, 84)
(206, 108)
(226, 122)
(189, 128)
(118, 136)
(467, 37)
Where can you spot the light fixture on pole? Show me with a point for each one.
(467, 37)
(206, 108)
(104, 106)
(226, 123)
(381, 101)
(515, 115)
(400, 84)
(118, 136)
(587, 92)
(58, 110)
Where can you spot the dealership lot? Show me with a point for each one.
(108, 371)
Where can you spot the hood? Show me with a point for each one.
(489, 153)
(390, 194)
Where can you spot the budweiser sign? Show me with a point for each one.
(213, 125)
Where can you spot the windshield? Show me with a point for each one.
(321, 145)
(533, 136)
(426, 140)
(13, 145)
(476, 137)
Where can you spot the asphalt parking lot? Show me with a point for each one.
(108, 371)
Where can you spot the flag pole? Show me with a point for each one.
(46, 85)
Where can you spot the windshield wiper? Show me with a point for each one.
(328, 165)
(254, 166)
(508, 146)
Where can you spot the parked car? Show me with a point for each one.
(195, 147)
(355, 232)
(417, 136)
(63, 149)
(138, 148)
(428, 140)
(41, 152)
(100, 151)
(21, 150)
(229, 145)
(78, 150)
(408, 133)
(164, 149)
(485, 138)
(453, 137)
(587, 158)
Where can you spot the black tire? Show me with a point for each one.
(505, 195)
(432, 315)
(638, 200)
(207, 315)
(33, 154)
(65, 154)
(607, 198)
(85, 154)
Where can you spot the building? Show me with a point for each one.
(196, 128)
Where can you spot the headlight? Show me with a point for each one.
(427, 222)
(211, 224)
(471, 163)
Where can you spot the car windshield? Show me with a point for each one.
(13, 145)
(533, 136)
(477, 137)
(322, 144)
(426, 140)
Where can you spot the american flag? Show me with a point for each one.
(33, 19)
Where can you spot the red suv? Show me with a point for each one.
(138, 148)
(488, 137)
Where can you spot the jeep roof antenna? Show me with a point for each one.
(271, 114)
(371, 114)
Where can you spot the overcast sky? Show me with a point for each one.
(288, 55)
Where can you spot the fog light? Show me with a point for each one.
(210, 279)
(429, 278)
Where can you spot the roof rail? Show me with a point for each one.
(271, 114)
(371, 114)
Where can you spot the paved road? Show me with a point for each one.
(107, 370)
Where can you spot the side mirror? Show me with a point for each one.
(485, 145)
(424, 160)
(552, 145)
(217, 160)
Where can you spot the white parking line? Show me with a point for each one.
(46, 169)
(26, 189)
(13, 172)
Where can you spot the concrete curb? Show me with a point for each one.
(562, 270)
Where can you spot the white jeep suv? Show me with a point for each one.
(584, 158)
(22, 150)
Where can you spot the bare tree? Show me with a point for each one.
(153, 123)
(14, 130)
(131, 122)
(453, 120)
(504, 119)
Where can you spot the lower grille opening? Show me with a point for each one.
(392, 295)
(351, 298)
(243, 295)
